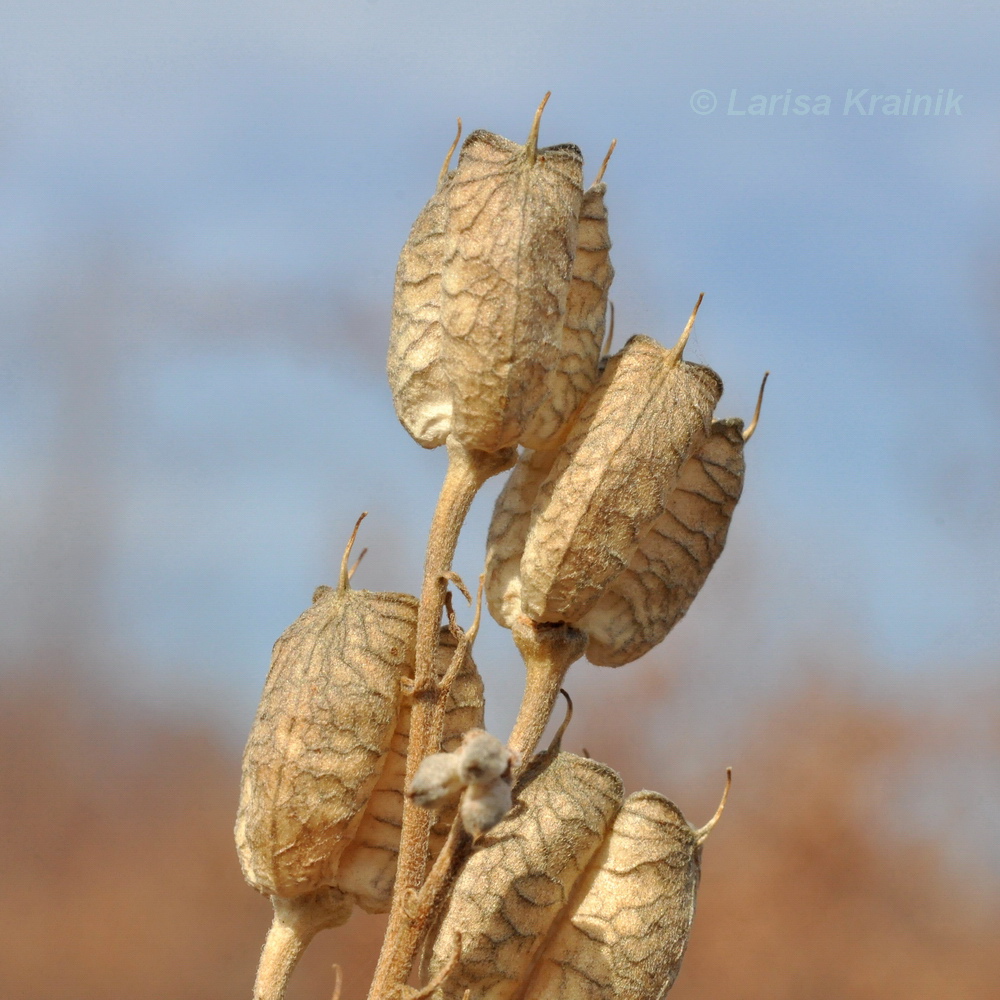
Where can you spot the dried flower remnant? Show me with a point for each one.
(644, 602)
(484, 805)
(436, 780)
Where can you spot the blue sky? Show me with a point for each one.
(217, 193)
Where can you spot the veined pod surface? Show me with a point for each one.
(416, 368)
(509, 245)
(368, 865)
(322, 731)
(624, 933)
(611, 480)
(512, 888)
(576, 369)
(673, 559)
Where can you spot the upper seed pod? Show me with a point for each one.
(511, 889)
(416, 367)
(624, 935)
(481, 292)
(644, 602)
(576, 368)
(609, 482)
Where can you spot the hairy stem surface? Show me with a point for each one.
(467, 471)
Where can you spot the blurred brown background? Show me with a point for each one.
(120, 878)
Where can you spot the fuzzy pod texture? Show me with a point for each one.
(624, 933)
(577, 366)
(322, 731)
(368, 866)
(509, 248)
(416, 367)
(673, 559)
(603, 489)
(508, 533)
(512, 888)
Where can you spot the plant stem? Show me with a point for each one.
(296, 922)
(548, 652)
(467, 471)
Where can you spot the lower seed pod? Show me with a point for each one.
(368, 865)
(512, 888)
(315, 751)
(624, 934)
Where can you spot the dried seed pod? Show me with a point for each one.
(512, 888)
(509, 531)
(416, 368)
(624, 934)
(314, 754)
(673, 559)
(368, 865)
(613, 477)
(481, 758)
(510, 241)
(575, 371)
(484, 805)
(322, 731)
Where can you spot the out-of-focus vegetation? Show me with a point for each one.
(120, 878)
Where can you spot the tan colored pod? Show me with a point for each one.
(625, 931)
(612, 478)
(673, 559)
(416, 368)
(368, 865)
(509, 531)
(513, 887)
(509, 245)
(574, 374)
(322, 731)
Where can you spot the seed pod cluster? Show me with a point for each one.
(501, 289)
(615, 532)
(575, 895)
